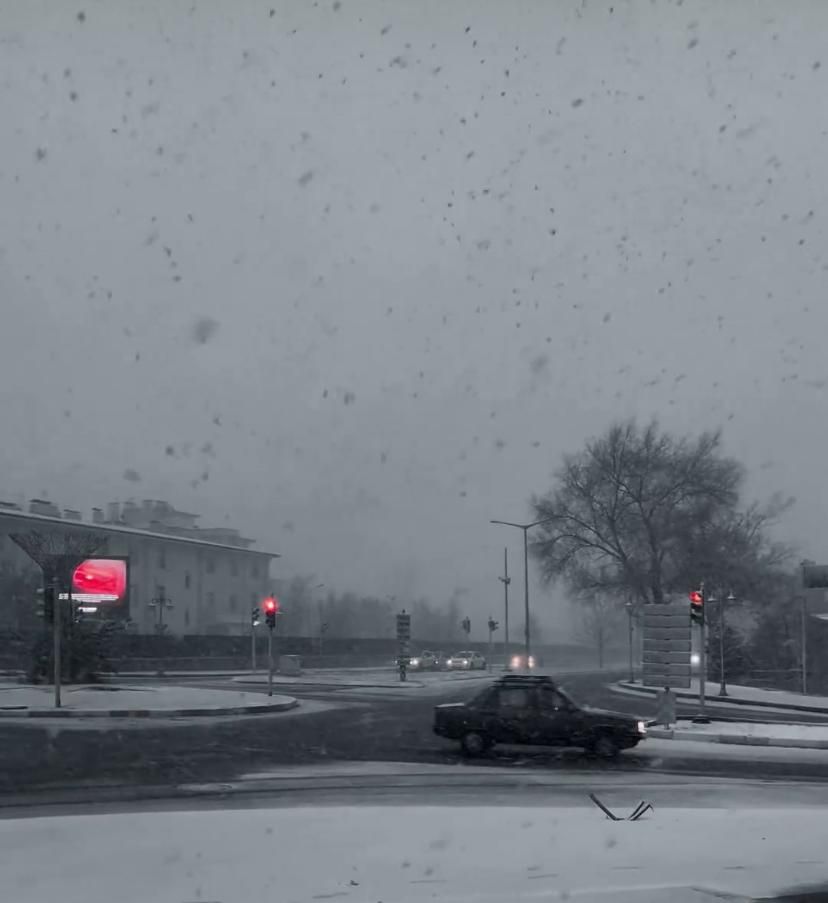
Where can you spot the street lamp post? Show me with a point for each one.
(526, 528)
(159, 603)
(721, 600)
(629, 609)
(506, 580)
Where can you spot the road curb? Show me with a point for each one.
(285, 705)
(307, 684)
(627, 689)
(659, 733)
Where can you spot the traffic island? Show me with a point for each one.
(746, 733)
(108, 701)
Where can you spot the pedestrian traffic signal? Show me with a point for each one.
(45, 605)
(466, 625)
(271, 607)
(254, 617)
(697, 606)
(493, 625)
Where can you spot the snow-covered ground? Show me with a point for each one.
(460, 854)
(780, 698)
(752, 729)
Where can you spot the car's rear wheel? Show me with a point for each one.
(474, 743)
(605, 747)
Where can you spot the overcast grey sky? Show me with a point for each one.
(355, 275)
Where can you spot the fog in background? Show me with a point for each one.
(353, 275)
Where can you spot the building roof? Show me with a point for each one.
(129, 531)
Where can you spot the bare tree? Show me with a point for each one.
(643, 513)
(600, 622)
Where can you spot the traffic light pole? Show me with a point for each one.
(702, 716)
(702, 670)
(253, 647)
(269, 660)
(803, 643)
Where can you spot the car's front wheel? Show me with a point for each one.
(605, 747)
(475, 744)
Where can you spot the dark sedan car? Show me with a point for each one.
(529, 709)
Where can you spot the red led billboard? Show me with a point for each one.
(100, 586)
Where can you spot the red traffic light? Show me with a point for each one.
(270, 605)
(696, 597)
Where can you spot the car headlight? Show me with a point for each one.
(515, 661)
(465, 661)
(695, 658)
(642, 727)
(531, 661)
(415, 662)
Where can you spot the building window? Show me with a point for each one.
(210, 564)
(187, 580)
(234, 568)
(254, 569)
(162, 558)
(233, 602)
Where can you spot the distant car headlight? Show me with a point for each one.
(531, 661)
(642, 727)
(515, 661)
(415, 662)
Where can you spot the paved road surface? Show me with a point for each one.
(353, 726)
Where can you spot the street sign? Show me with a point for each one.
(403, 626)
(815, 576)
(666, 645)
(403, 640)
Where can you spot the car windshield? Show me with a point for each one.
(329, 328)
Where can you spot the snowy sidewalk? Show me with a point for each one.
(109, 701)
(737, 696)
(746, 733)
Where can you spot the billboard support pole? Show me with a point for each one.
(56, 628)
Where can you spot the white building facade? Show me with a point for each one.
(208, 579)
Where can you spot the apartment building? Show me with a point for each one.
(197, 580)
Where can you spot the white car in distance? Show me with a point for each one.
(466, 661)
